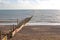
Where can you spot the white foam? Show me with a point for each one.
(31, 24)
(8, 23)
(42, 24)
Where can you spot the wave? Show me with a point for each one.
(28, 24)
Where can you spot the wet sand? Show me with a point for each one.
(36, 32)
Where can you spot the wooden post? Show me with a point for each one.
(0, 34)
(17, 21)
(13, 27)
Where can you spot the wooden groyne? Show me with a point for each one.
(11, 33)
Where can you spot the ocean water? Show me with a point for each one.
(39, 16)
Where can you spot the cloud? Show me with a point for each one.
(20, 4)
(30, 4)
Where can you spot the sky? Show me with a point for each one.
(30, 4)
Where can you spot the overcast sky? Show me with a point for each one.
(29, 4)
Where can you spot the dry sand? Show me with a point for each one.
(42, 32)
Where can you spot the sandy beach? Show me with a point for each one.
(35, 32)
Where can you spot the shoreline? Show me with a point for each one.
(43, 24)
(31, 24)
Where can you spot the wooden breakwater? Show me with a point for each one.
(11, 33)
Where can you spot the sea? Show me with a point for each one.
(39, 16)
